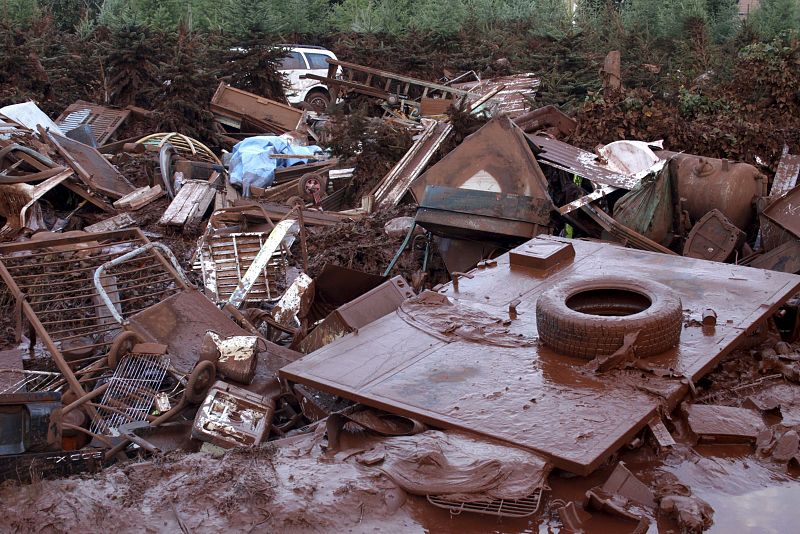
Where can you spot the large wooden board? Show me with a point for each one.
(529, 395)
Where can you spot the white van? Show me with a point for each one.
(302, 60)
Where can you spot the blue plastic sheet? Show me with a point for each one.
(251, 164)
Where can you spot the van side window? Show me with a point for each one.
(294, 60)
(317, 61)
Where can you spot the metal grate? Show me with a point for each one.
(56, 278)
(226, 258)
(501, 507)
(131, 392)
(104, 121)
(74, 119)
(31, 381)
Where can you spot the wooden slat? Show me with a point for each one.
(190, 204)
(139, 198)
(123, 220)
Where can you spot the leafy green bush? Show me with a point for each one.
(18, 12)
(774, 17)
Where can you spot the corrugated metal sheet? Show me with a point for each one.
(511, 100)
(581, 162)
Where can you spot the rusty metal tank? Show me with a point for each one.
(708, 183)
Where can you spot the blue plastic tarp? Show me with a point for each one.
(251, 164)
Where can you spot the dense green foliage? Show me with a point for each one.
(655, 19)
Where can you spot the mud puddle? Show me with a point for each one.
(747, 495)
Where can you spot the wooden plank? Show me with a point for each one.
(139, 198)
(192, 196)
(277, 211)
(174, 208)
(149, 196)
(204, 199)
(189, 204)
(117, 222)
(394, 185)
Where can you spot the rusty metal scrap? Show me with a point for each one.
(51, 278)
(180, 321)
(103, 120)
(381, 84)
(294, 300)
(496, 158)
(473, 214)
(784, 211)
(233, 107)
(225, 257)
(714, 238)
(131, 392)
(510, 95)
(30, 422)
(233, 417)
(547, 119)
(359, 312)
(784, 258)
(282, 235)
(707, 183)
(623, 233)
(579, 162)
(394, 185)
(92, 168)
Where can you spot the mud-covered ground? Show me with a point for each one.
(295, 486)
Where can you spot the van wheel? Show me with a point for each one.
(318, 100)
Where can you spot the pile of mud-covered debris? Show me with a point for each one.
(503, 331)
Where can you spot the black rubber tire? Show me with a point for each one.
(122, 346)
(587, 335)
(318, 100)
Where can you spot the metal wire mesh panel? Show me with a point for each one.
(131, 392)
(56, 279)
(30, 381)
(501, 507)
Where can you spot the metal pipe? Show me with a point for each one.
(44, 160)
(49, 242)
(125, 257)
(89, 396)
